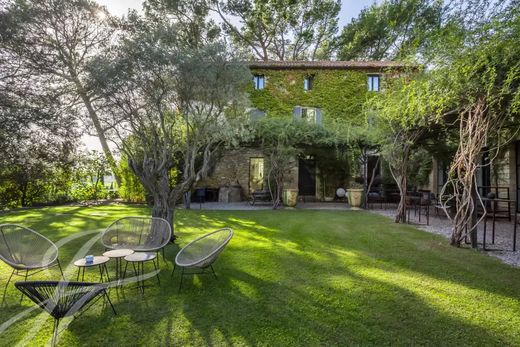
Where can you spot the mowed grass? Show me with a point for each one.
(288, 278)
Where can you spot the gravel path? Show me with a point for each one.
(502, 248)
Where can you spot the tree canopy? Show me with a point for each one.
(281, 29)
(171, 106)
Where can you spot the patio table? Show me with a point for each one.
(99, 261)
(117, 254)
(139, 258)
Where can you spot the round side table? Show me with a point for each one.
(117, 254)
(99, 261)
(137, 260)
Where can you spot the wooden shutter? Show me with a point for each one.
(297, 112)
(318, 116)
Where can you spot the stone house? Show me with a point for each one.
(319, 92)
(501, 177)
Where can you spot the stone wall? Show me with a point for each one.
(232, 168)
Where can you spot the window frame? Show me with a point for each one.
(308, 83)
(370, 82)
(305, 113)
(251, 159)
(257, 78)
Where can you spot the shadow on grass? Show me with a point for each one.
(305, 278)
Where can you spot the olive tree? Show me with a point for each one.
(403, 114)
(172, 107)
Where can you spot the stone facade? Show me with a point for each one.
(232, 168)
(503, 174)
(339, 90)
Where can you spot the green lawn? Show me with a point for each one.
(288, 278)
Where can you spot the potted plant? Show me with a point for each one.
(290, 197)
(355, 195)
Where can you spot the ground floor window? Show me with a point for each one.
(256, 174)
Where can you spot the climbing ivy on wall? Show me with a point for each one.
(339, 93)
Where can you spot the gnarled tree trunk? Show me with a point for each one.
(473, 129)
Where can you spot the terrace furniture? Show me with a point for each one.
(139, 259)
(118, 254)
(200, 194)
(411, 202)
(374, 197)
(201, 253)
(63, 299)
(260, 195)
(439, 205)
(99, 261)
(26, 252)
(494, 215)
(424, 204)
(500, 194)
(140, 234)
(211, 194)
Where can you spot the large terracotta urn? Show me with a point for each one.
(355, 197)
(290, 197)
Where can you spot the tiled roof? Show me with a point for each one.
(324, 64)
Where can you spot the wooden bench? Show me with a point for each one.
(260, 195)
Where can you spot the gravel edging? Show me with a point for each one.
(501, 249)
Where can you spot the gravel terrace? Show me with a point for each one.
(502, 248)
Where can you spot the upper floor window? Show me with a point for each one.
(373, 83)
(259, 81)
(308, 82)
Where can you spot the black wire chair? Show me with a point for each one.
(63, 299)
(26, 252)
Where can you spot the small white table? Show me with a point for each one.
(99, 261)
(117, 254)
(139, 258)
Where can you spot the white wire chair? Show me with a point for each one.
(26, 252)
(202, 252)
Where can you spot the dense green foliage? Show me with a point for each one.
(33, 177)
(280, 29)
(287, 278)
(172, 108)
(391, 29)
(131, 189)
(339, 93)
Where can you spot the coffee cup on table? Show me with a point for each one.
(89, 259)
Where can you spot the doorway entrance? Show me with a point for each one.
(256, 174)
(307, 176)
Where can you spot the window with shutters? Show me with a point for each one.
(259, 81)
(308, 82)
(308, 114)
(373, 83)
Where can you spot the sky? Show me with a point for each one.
(349, 10)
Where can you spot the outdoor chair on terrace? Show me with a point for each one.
(141, 234)
(26, 252)
(201, 253)
(260, 195)
(63, 299)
